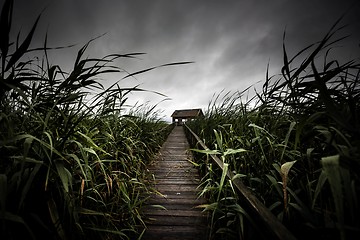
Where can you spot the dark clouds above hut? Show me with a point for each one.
(231, 41)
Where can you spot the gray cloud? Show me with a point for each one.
(230, 42)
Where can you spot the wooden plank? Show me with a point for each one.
(175, 212)
(175, 198)
(172, 168)
(176, 169)
(176, 179)
(184, 205)
(160, 220)
(176, 233)
(176, 188)
(179, 180)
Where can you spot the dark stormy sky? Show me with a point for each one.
(229, 41)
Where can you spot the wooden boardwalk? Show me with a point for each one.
(176, 180)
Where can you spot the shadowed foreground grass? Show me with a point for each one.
(72, 157)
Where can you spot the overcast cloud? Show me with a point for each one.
(229, 41)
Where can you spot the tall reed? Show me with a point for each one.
(72, 163)
(301, 136)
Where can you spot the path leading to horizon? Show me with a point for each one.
(172, 214)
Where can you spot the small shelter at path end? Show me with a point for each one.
(185, 115)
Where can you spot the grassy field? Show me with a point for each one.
(73, 157)
(295, 145)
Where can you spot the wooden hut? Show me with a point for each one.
(185, 115)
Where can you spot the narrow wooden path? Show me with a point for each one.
(176, 180)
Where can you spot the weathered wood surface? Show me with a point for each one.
(176, 180)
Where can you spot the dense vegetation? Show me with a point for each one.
(73, 160)
(296, 145)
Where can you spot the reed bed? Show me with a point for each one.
(295, 145)
(73, 158)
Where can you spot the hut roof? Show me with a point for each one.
(187, 113)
